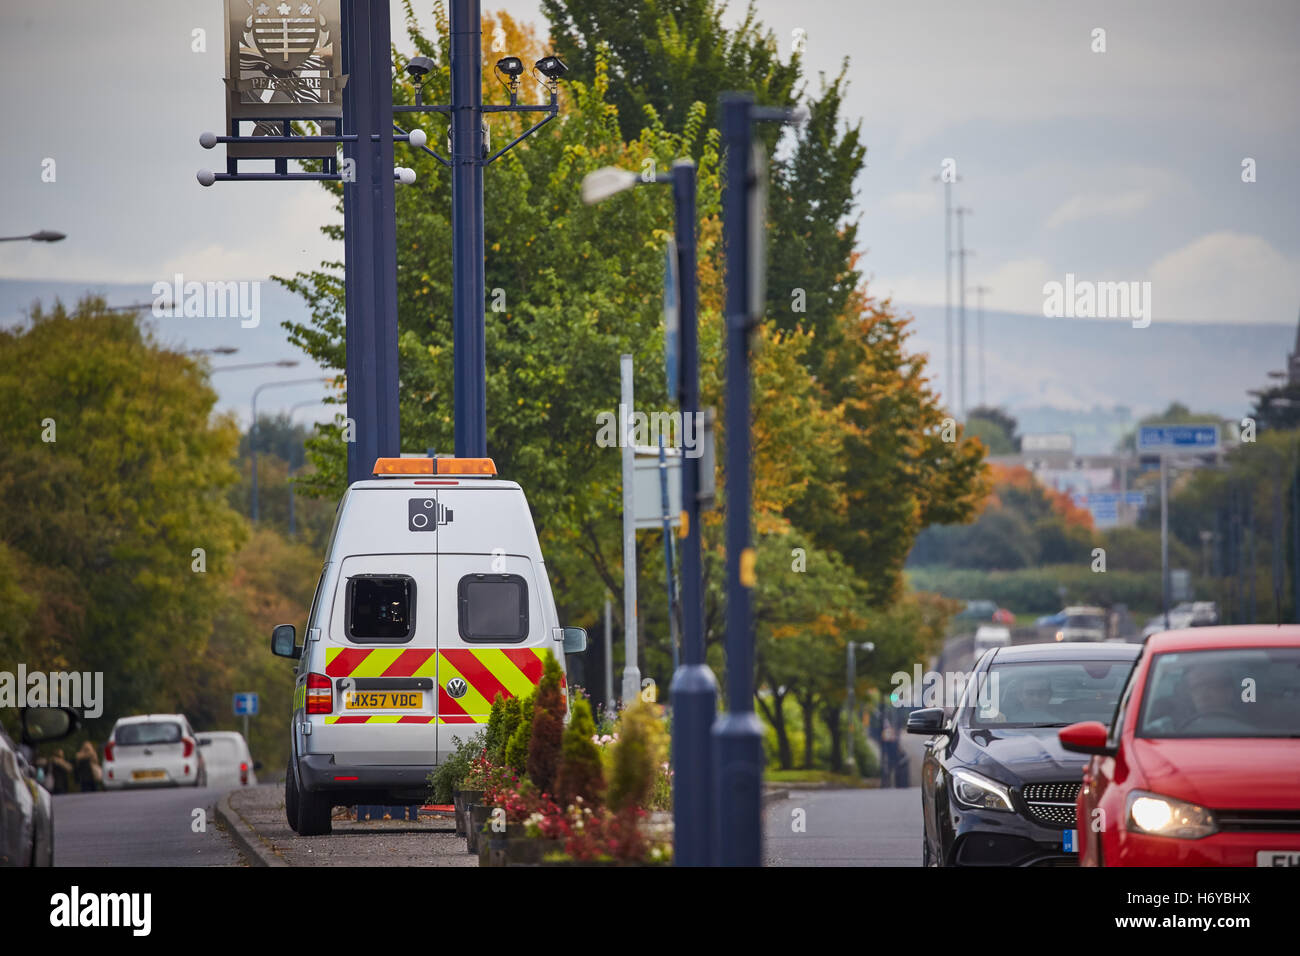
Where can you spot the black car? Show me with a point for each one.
(997, 789)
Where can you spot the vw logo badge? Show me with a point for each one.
(457, 687)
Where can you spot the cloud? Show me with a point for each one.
(1095, 206)
(912, 204)
(1226, 277)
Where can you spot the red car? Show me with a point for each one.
(1202, 765)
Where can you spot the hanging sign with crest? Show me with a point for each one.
(283, 61)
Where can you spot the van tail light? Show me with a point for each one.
(243, 775)
(189, 746)
(108, 751)
(320, 694)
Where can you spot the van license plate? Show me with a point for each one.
(384, 700)
(148, 774)
(1277, 858)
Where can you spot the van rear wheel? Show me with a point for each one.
(313, 811)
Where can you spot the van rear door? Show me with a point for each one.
(493, 631)
(380, 654)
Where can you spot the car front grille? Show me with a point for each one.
(1052, 803)
(1259, 821)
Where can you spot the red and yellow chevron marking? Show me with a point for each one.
(510, 671)
(380, 662)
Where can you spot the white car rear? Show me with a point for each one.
(228, 760)
(153, 750)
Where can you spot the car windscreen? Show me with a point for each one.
(1048, 694)
(1237, 692)
(149, 732)
(1089, 621)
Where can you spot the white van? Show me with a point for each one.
(434, 598)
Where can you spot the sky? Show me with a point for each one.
(1115, 166)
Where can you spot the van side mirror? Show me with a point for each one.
(284, 642)
(205, 741)
(575, 640)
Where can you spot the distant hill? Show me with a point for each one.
(1089, 376)
(1053, 372)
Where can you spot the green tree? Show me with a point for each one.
(995, 428)
(113, 488)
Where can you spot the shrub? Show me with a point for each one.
(548, 727)
(517, 748)
(638, 754)
(580, 773)
(496, 718)
(511, 713)
(447, 777)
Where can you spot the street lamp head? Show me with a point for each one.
(602, 183)
(418, 137)
(419, 67)
(287, 363)
(207, 140)
(405, 175)
(206, 177)
(47, 235)
(551, 67)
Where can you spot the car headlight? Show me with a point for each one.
(971, 790)
(1164, 816)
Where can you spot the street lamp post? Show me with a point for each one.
(694, 689)
(737, 732)
(850, 709)
(252, 431)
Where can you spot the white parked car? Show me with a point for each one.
(153, 750)
(991, 635)
(228, 760)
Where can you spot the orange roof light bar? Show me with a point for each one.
(466, 466)
(434, 466)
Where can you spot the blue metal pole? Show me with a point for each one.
(668, 549)
(370, 237)
(467, 251)
(694, 690)
(737, 734)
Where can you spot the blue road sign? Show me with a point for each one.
(246, 704)
(1178, 438)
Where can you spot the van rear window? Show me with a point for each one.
(493, 607)
(381, 608)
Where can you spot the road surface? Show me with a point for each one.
(844, 828)
(140, 828)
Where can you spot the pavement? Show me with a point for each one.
(867, 827)
(255, 819)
